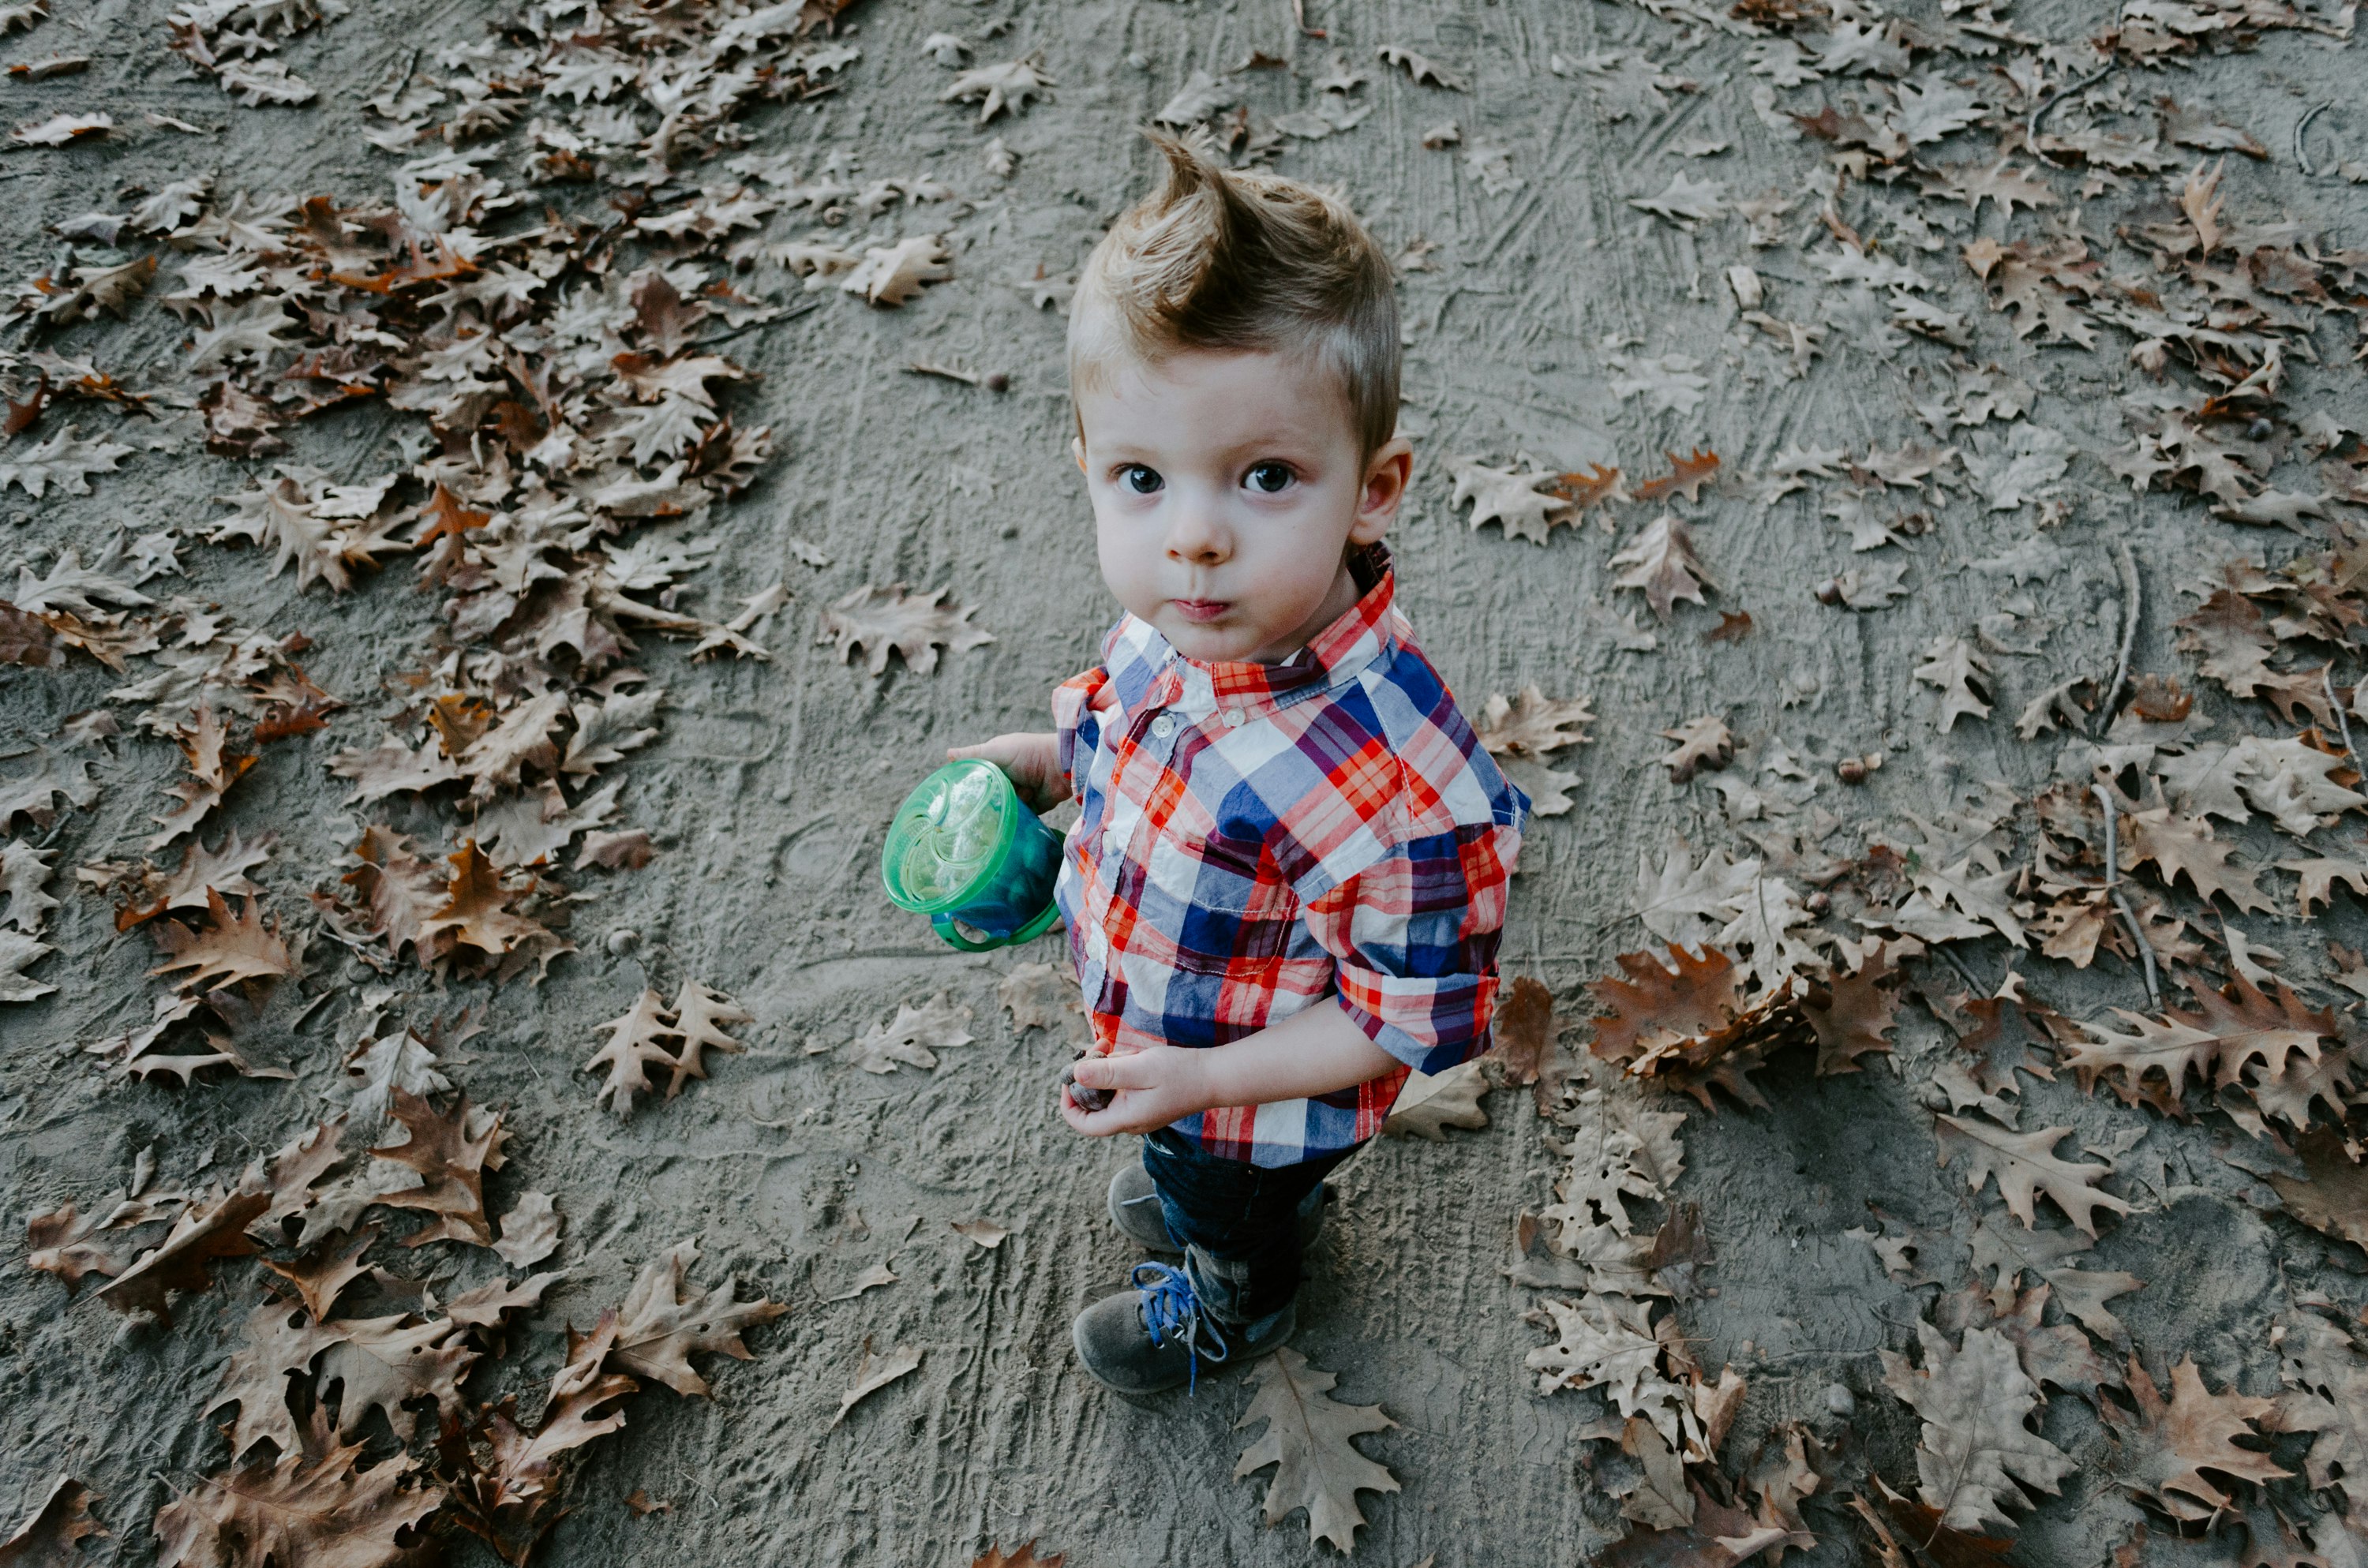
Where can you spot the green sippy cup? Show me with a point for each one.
(964, 846)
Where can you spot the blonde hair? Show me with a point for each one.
(1241, 260)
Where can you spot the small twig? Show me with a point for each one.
(2131, 605)
(1299, 19)
(2327, 681)
(2121, 900)
(2301, 159)
(2030, 130)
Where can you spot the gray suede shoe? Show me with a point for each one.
(1134, 1210)
(1156, 1336)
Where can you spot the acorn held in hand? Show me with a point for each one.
(1086, 1099)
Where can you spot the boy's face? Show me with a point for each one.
(1226, 487)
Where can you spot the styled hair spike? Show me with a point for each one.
(1229, 259)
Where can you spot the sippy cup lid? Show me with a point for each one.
(950, 837)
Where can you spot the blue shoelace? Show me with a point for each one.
(1171, 1311)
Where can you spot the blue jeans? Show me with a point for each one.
(1239, 1222)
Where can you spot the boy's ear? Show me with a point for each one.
(1078, 450)
(1387, 472)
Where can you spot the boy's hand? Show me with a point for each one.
(1030, 759)
(1150, 1089)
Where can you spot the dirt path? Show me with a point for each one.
(769, 786)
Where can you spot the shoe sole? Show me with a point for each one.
(1214, 1369)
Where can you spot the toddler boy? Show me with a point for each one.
(1287, 883)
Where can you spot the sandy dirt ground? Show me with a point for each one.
(769, 784)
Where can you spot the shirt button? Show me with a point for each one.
(1233, 718)
(1164, 726)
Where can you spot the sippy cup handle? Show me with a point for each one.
(944, 927)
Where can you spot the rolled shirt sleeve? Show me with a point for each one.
(1074, 707)
(1414, 937)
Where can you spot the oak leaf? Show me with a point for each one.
(1853, 1015)
(506, 1482)
(314, 1506)
(637, 1041)
(1614, 1149)
(1009, 86)
(233, 947)
(914, 1036)
(450, 1153)
(2162, 1451)
(2328, 1395)
(2024, 1166)
(2180, 846)
(214, 768)
(58, 1241)
(1662, 565)
(1683, 903)
(1430, 1103)
(1521, 733)
(1973, 1398)
(279, 1341)
(387, 1363)
(1953, 666)
(1525, 504)
(1702, 742)
(1036, 995)
(321, 1275)
(529, 1231)
(1686, 477)
(895, 273)
(876, 1373)
(51, 1535)
(2228, 1032)
(477, 913)
(662, 1322)
(699, 1016)
(2332, 1194)
(1425, 72)
(885, 620)
(1718, 1536)
(2004, 1255)
(1307, 1440)
(211, 1228)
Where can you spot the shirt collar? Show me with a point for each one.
(1367, 631)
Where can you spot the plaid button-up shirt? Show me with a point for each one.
(1257, 838)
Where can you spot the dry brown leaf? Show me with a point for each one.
(529, 1231)
(664, 1322)
(2024, 1166)
(57, 1243)
(1036, 995)
(636, 1043)
(2162, 1451)
(322, 1274)
(876, 1373)
(1430, 1103)
(1853, 1017)
(1521, 733)
(995, 1557)
(1307, 1440)
(1525, 505)
(51, 1535)
(387, 1363)
(885, 620)
(1686, 477)
(313, 1506)
(2180, 846)
(914, 1036)
(477, 913)
(215, 1227)
(699, 1016)
(1920, 1523)
(233, 947)
(507, 1482)
(2333, 1196)
(214, 768)
(1702, 742)
(2229, 1031)
(1662, 565)
(279, 1340)
(452, 1162)
(1975, 1400)
(1718, 1537)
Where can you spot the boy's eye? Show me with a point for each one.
(1141, 480)
(1269, 477)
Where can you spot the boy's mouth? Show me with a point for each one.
(1201, 609)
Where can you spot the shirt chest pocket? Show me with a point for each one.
(1234, 876)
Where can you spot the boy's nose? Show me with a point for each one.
(1196, 537)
